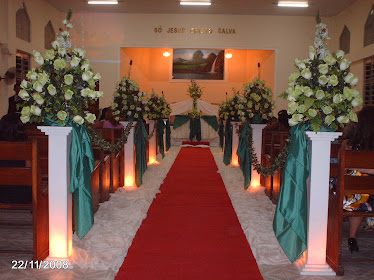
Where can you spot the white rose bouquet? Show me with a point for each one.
(260, 105)
(128, 101)
(233, 109)
(61, 87)
(320, 92)
(157, 107)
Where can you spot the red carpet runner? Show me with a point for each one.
(191, 230)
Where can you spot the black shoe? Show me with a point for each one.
(353, 247)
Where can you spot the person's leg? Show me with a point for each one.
(354, 224)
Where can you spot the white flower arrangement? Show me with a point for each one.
(128, 101)
(234, 109)
(260, 104)
(157, 107)
(61, 87)
(323, 98)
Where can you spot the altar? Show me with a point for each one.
(208, 122)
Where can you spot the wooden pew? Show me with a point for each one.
(273, 142)
(346, 184)
(27, 176)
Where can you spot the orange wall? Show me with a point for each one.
(151, 70)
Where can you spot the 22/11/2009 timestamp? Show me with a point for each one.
(20, 264)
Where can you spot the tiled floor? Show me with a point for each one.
(21, 237)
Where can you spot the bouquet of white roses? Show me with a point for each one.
(61, 87)
(320, 91)
(157, 107)
(259, 100)
(233, 109)
(129, 102)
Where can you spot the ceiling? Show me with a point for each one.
(234, 7)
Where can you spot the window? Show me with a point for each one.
(345, 40)
(23, 24)
(49, 35)
(369, 28)
(369, 81)
(22, 65)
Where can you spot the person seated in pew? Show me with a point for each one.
(109, 121)
(283, 118)
(11, 128)
(359, 136)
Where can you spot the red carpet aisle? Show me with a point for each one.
(191, 230)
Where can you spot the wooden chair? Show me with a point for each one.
(27, 176)
(346, 184)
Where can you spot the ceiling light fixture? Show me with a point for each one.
(294, 4)
(103, 2)
(196, 3)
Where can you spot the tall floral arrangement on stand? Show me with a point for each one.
(63, 84)
(260, 105)
(129, 102)
(195, 92)
(157, 107)
(320, 91)
(233, 109)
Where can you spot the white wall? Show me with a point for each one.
(40, 12)
(104, 35)
(354, 18)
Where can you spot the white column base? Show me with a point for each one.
(129, 166)
(235, 143)
(257, 146)
(59, 196)
(314, 260)
(313, 269)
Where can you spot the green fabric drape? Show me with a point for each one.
(212, 121)
(221, 134)
(243, 154)
(82, 163)
(228, 144)
(180, 120)
(141, 157)
(290, 220)
(195, 129)
(160, 136)
(168, 136)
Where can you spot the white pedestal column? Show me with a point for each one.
(235, 143)
(257, 146)
(59, 196)
(165, 120)
(129, 166)
(314, 261)
(152, 143)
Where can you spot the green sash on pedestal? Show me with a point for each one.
(141, 157)
(290, 220)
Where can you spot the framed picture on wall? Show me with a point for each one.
(198, 64)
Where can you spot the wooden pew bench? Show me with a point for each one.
(27, 175)
(347, 184)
